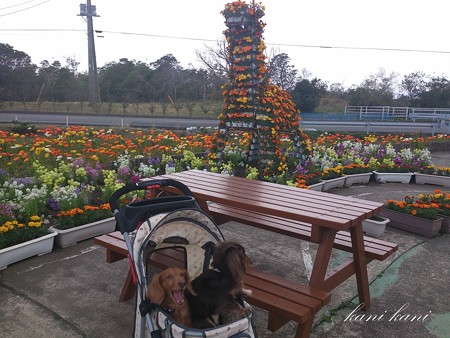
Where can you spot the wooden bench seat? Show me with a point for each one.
(373, 248)
(283, 299)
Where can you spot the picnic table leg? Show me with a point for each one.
(304, 330)
(362, 278)
(322, 258)
(203, 205)
(128, 288)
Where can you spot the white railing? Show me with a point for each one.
(375, 127)
(387, 112)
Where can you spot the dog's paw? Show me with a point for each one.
(247, 292)
(247, 311)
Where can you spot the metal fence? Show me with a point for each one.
(397, 113)
(375, 126)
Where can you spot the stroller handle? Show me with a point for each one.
(146, 185)
(129, 217)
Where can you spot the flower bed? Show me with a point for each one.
(422, 215)
(414, 207)
(76, 216)
(13, 232)
(56, 170)
(439, 198)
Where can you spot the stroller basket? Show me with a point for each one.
(242, 328)
(161, 220)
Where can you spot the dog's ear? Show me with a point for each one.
(155, 291)
(234, 262)
(189, 285)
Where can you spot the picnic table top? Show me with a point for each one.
(317, 208)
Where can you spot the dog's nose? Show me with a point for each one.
(182, 284)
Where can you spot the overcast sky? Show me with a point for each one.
(293, 27)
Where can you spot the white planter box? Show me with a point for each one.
(316, 186)
(374, 228)
(417, 225)
(445, 224)
(38, 246)
(432, 179)
(71, 236)
(392, 177)
(362, 178)
(333, 183)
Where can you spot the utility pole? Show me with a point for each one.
(89, 11)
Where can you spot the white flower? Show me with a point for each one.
(169, 170)
(147, 170)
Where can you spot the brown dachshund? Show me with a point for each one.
(167, 290)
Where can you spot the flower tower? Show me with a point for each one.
(252, 105)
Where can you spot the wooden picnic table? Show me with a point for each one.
(326, 213)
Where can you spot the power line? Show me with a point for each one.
(42, 29)
(158, 36)
(363, 48)
(24, 9)
(267, 43)
(285, 44)
(23, 3)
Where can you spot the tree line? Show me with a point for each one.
(165, 81)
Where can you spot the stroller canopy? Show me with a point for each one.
(190, 229)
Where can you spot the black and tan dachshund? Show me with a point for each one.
(217, 291)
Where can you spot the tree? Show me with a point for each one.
(24, 83)
(305, 74)
(64, 85)
(72, 64)
(307, 94)
(437, 94)
(47, 75)
(167, 77)
(114, 81)
(17, 75)
(215, 59)
(377, 90)
(413, 86)
(196, 85)
(190, 107)
(337, 90)
(83, 88)
(136, 80)
(281, 72)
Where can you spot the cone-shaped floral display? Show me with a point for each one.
(252, 105)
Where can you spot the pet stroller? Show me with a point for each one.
(169, 222)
